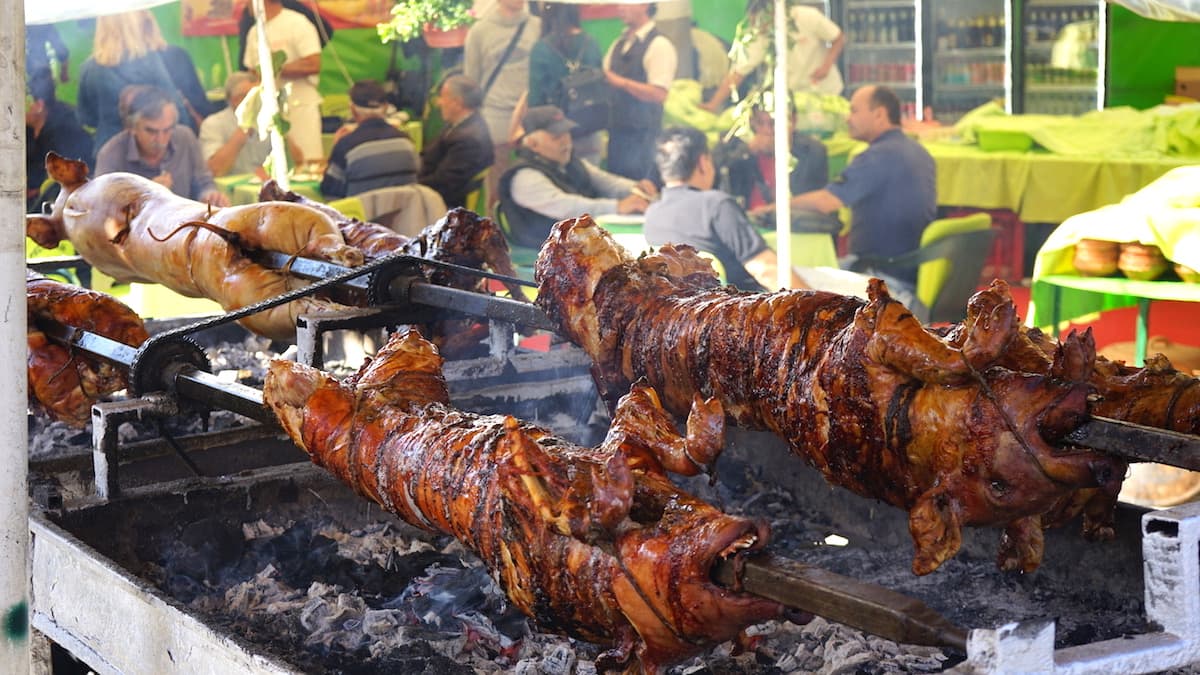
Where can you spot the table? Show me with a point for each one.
(1040, 187)
(1142, 292)
(243, 188)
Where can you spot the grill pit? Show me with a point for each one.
(285, 571)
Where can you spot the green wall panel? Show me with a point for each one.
(1142, 55)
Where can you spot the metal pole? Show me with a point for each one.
(14, 499)
(783, 206)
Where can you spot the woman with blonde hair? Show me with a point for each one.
(124, 53)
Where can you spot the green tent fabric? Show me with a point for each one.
(1165, 213)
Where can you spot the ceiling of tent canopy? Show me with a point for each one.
(1164, 10)
(67, 10)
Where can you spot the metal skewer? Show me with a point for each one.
(868, 607)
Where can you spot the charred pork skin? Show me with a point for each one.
(593, 543)
(62, 382)
(861, 390)
(134, 229)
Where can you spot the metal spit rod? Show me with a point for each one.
(867, 607)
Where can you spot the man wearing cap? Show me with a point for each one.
(370, 153)
(548, 183)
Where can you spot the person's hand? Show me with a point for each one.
(761, 212)
(342, 131)
(648, 187)
(632, 204)
(613, 79)
(215, 198)
(819, 73)
(164, 179)
(711, 106)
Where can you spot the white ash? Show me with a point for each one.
(456, 612)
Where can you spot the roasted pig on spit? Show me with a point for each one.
(134, 229)
(1156, 395)
(63, 382)
(861, 390)
(461, 238)
(594, 543)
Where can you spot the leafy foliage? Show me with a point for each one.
(409, 18)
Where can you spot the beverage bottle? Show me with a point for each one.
(893, 27)
(869, 36)
(989, 32)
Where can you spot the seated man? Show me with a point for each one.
(154, 146)
(464, 147)
(228, 148)
(890, 186)
(370, 153)
(548, 183)
(50, 126)
(746, 169)
(691, 212)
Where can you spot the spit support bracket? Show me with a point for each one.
(1138, 443)
(1170, 547)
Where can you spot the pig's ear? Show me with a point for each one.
(936, 529)
(70, 173)
(43, 231)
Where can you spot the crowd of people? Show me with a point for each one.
(521, 119)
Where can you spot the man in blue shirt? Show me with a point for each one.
(891, 188)
(155, 147)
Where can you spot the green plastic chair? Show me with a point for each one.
(952, 252)
(476, 199)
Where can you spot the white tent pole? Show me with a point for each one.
(783, 207)
(14, 492)
(270, 98)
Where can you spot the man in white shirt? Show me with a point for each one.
(548, 183)
(226, 147)
(640, 67)
(814, 43)
(291, 33)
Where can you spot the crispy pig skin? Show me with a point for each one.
(861, 390)
(66, 383)
(1156, 395)
(134, 229)
(593, 543)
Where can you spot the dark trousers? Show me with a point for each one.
(631, 152)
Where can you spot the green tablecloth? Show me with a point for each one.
(1039, 187)
(243, 188)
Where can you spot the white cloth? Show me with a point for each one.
(534, 191)
(809, 31)
(673, 9)
(659, 61)
(294, 35)
(406, 209)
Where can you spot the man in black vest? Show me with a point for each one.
(640, 67)
(548, 183)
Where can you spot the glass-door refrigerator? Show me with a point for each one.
(883, 47)
(968, 49)
(1062, 57)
